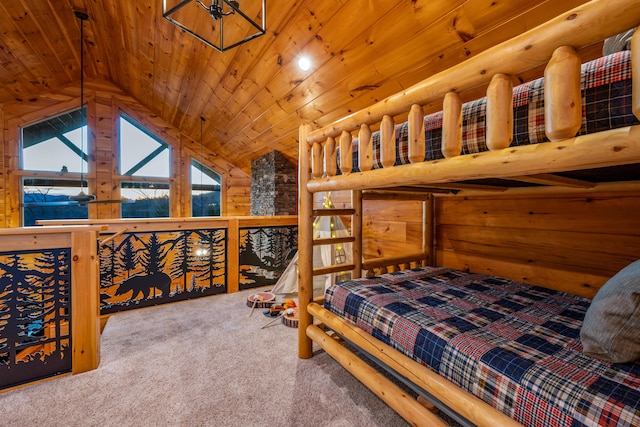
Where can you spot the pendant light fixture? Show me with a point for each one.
(82, 197)
(222, 25)
(202, 248)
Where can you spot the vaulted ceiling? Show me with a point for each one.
(254, 97)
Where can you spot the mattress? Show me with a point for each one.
(606, 100)
(515, 346)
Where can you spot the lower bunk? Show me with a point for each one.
(493, 351)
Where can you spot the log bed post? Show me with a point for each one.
(305, 243)
(635, 72)
(356, 233)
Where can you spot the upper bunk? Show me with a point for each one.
(365, 150)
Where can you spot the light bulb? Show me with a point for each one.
(304, 63)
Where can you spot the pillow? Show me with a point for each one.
(611, 326)
(617, 43)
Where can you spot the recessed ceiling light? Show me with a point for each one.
(304, 63)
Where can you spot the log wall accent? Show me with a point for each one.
(104, 101)
(572, 242)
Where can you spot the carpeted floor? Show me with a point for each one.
(204, 362)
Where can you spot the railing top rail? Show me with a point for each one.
(22, 231)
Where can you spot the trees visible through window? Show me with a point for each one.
(205, 190)
(56, 149)
(145, 159)
(148, 199)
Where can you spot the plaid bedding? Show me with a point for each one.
(515, 346)
(606, 101)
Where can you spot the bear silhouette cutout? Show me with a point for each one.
(143, 284)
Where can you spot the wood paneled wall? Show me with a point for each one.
(390, 228)
(572, 242)
(104, 101)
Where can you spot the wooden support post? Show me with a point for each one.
(562, 98)
(387, 142)
(346, 153)
(428, 241)
(451, 125)
(233, 255)
(356, 232)
(305, 240)
(330, 157)
(416, 134)
(85, 301)
(635, 72)
(365, 148)
(499, 112)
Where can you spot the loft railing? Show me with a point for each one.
(56, 280)
(156, 261)
(49, 313)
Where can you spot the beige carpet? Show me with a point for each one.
(203, 362)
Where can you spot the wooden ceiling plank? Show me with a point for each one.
(398, 26)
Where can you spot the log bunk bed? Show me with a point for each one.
(476, 371)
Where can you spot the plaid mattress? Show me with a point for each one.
(606, 104)
(515, 346)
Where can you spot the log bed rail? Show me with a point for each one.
(553, 43)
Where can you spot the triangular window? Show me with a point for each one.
(141, 152)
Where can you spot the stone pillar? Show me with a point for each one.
(274, 186)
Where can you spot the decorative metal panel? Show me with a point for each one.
(35, 315)
(150, 268)
(265, 253)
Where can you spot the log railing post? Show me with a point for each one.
(317, 160)
(416, 134)
(499, 112)
(346, 153)
(365, 148)
(330, 157)
(387, 142)
(451, 125)
(562, 98)
(305, 242)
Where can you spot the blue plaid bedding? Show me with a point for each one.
(606, 101)
(515, 346)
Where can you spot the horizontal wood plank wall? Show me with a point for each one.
(389, 228)
(104, 101)
(570, 242)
